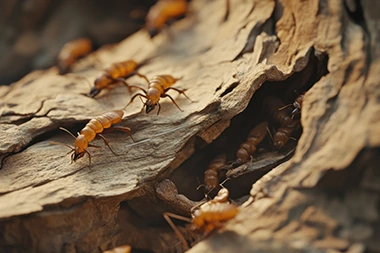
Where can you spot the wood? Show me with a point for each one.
(223, 64)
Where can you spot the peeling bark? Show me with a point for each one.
(325, 198)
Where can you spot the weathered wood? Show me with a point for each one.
(322, 199)
(339, 119)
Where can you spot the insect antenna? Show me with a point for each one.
(286, 106)
(67, 131)
(174, 227)
(63, 144)
(199, 184)
(222, 183)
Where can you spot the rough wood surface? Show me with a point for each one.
(223, 63)
(324, 199)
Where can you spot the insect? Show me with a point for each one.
(281, 137)
(120, 249)
(114, 75)
(276, 109)
(297, 105)
(162, 13)
(71, 52)
(211, 175)
(281, 117)
(157, 88)
(207, 216)
(248, 148)
(95, 127)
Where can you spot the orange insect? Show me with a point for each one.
(287, 124)
(95, 127)
(157, 88)
(114, 75)
(211, 175)
(248, 148)
(162, 13)
(120, 249)
(206, 216)
(71, 52)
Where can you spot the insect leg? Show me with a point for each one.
(121, 80)
(93, 146)
(167, 95)
(159, 108)
(270, 135)
(137, 87)
(89, 157)
(180, 92)
(138, 94)
(106, 143)
(142, 76)
(198, 205)
(120, 128)
(174, 227)
(295, 112)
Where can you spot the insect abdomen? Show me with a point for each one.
(211, 179)
(161, 12)
(72, 51)
(98, 124)
(219, 212)
(121, 69)
(256, 136)
(281, 137)
(163, 81)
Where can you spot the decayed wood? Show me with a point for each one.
(63, 105)
(322, 199)
(339, 119)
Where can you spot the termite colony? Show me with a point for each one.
(260, 138)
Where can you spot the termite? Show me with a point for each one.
(115, 74)
(249, 147)
(281, 137)
(95, 127)
(162, 13)
(157, 88)
(207, 216)
(282, 117)
(276, 109)
(211, 175)
(297, 105)
(71, 52)
(120, 249)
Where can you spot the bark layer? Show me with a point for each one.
(263, 47)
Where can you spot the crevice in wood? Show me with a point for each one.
(189, 175)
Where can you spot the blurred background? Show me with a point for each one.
(33, 31)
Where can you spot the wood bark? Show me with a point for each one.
(325, 198)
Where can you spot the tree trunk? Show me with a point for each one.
(325, 198)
